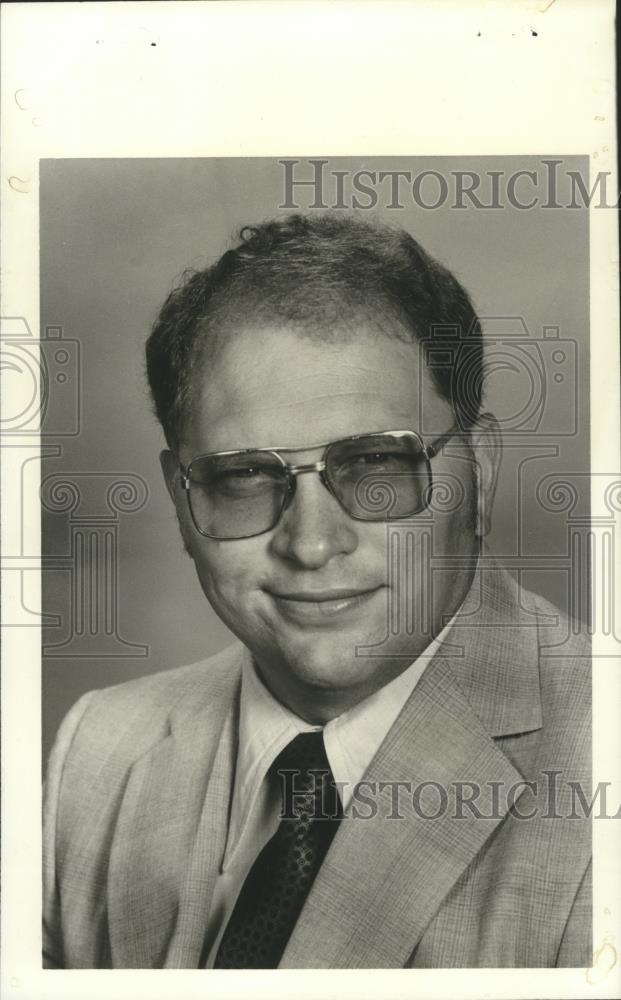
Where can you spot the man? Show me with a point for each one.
(364, 780)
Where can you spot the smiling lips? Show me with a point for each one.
(303, 606)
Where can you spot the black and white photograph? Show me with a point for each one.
(323, 452)
(381, 491)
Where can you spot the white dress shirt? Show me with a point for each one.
(265, 728)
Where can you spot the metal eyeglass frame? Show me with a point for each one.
(427, 451)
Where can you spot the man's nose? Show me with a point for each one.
(314, 528)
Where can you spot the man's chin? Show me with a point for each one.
(328, 670)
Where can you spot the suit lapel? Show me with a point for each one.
(384, 878)
(171, 832)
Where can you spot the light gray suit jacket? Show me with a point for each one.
(140, 777)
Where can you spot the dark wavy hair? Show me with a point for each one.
(317, 274)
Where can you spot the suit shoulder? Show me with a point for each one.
(127, 719)
(168, 687)
(560, 636)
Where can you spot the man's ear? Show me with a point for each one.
(487, 446)
(170, 468)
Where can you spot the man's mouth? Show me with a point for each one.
(314, 606)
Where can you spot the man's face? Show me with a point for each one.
(305, 596)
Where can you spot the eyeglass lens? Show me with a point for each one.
(374, 478)
(379, 477)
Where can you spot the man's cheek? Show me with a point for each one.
(226, 587)
(189, 536)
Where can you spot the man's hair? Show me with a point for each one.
(317, 274)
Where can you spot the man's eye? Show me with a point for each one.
(248, 473)
(243, 481)
(378, 458)
(249, 476)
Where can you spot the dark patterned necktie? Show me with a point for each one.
(279, 881)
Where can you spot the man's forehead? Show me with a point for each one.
(272, 381)
(268, 348)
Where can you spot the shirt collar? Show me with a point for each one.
(352, 739)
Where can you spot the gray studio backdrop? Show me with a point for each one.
(120, 595)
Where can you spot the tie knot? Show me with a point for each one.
(305, 779)
(306, 752)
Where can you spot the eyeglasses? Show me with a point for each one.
(383, 476)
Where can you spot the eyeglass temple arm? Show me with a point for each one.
(436, 446)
